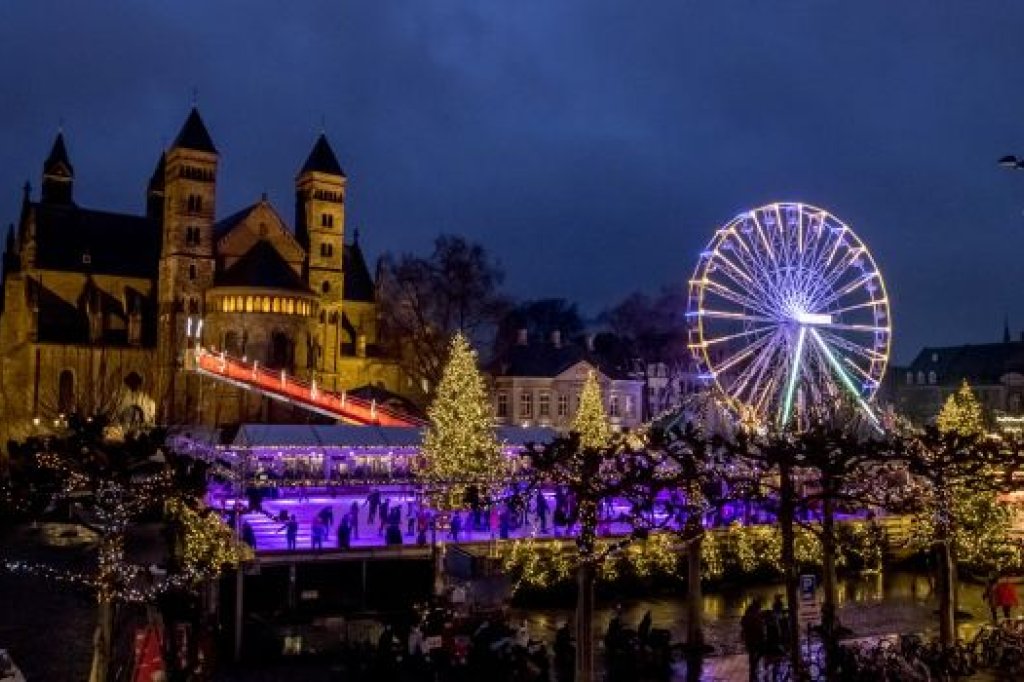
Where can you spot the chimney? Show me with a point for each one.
(556, 339)
(521, 337)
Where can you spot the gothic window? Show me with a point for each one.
(66, 392)
(503, 405)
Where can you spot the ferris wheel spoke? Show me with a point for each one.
(727, 315)
(733, 337)
(844, 377)
(854, 327)
(874, 303)
(849, 346)
(736, 297)
(754, 373)
(740, 356)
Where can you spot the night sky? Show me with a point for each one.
(594, 146)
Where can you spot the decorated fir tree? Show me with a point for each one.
(590, 421)
(460, 450)
(962, 413)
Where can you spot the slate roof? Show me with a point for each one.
(194, 135)
(979, 364)
(358, 282)
(322, 159)
(225, 225)
(116, 243)
(261, 266)
(546, 360)
(156, 181)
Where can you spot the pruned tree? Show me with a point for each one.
(424, 301)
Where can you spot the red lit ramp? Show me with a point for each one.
(278, 385)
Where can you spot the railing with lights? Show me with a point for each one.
(278, 385)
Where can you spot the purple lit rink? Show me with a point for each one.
(269, 530)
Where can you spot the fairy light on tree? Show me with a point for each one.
(590, 421)
(460, 449)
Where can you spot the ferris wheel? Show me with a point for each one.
(787, 311)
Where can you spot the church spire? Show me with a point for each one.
(322, 159)
(58, 174)
(194, 135)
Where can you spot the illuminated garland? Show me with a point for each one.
(209, 545)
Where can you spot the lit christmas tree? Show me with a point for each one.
(459, 448)
(590, 421)
(962, 413)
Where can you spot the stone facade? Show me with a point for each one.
(98, 307)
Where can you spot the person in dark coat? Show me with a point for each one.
(542, 511)
(372, 501)
(345, 534)
(353, 513)
(291, 531)
(752, 630)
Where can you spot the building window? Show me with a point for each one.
(326, 250)
(326, 220)
(325, 287)
(629, 406)
(192, 271)
(563, 405)
(191, 236)
(613, 406)
(193, 306)
(932, 378)
(502, 405)
(910, 378)
(920, 377)
(194, 203)
(526, 404)
(544, 404)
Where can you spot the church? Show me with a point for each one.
(99, 307)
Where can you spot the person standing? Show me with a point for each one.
(372, 501)
(291, 531)
(383, 509)
(316, 533)
(455, 526)
(344, 534)
(353, 513)
(753, 633)
(542, 511)
(1006, 596)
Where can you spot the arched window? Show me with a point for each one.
(291, 307)
(229, 304)
(266, 304)
(248, 304)
(325, 287)
(231, 343)
(276, 306)
(66, 392)
(280, 351)
(239, 305)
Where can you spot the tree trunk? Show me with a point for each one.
(101, 641)
(947, 600)
(789, 567)
(828, 578)
(694, 594)
(585, 622)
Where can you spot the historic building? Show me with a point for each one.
(538, 384)
(98, 306)
(994, 370)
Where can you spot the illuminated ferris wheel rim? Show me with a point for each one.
(788, 308)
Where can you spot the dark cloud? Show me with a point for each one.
(593, 145)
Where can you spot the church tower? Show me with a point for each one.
(58, 174)
(186, 270)
(320, 229)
